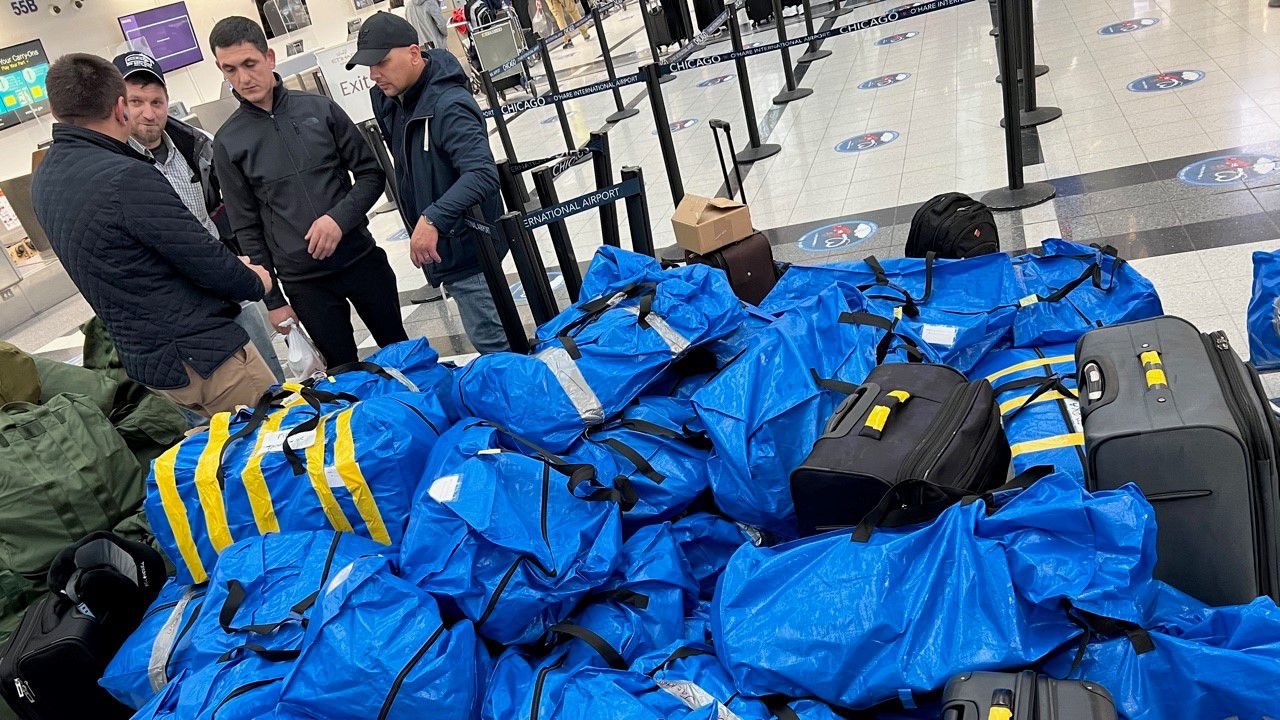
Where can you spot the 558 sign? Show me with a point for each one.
(23, 7)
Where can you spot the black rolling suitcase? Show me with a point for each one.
(1179, 414)
(748, 262)
(905, 444)
(952, 225)
(659, 29)
(1024, 696)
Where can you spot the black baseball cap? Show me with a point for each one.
(379, 35)
(136, 61)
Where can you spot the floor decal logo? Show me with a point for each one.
(1229, 169)
(555, 118)
(895, 39)
(517, 288)
(1128, 26)
(711, 82)
(678, 125)
(837, 236)
(868, 141)
(1166, 81)
(884, 81)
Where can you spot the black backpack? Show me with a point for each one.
(953, 225)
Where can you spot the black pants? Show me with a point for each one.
(322, 305)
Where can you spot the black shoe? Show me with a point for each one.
(568, 44)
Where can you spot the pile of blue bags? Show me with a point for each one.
(603, 529)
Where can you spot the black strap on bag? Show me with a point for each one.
(680, 653)
(314, 399)
(689, 437)
(236, 597)
(602, 647)
(915, 492)
(1042, 385)
(592, 310)
(1095, 626)
(262, 652)
(890, 328)
(358, 366)
(626, 596)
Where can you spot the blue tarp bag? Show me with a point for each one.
(376, 647)
(243, 687)
(1200, 662)
(320, 462)
(766, 409)
(977, 589)
(655, 446)
(707, 542)
(265, 588)
(599, 354)
(155, 652)
(1264, 313)
(1071, 289)
(512, 542)
(1036, 392)
(962, 308)
(409, 366)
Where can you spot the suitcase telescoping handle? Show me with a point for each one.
(716, 127)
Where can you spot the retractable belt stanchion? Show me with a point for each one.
(514, 193)
(554, 86)
(530, 268)
(623, 111)
(756, 150)
(791, 93)
(602, 164)
(491, 266)
(1032, 114)
(638, 214)
(1041, 70)
(504, 135)
(560, 240)
(662, 125)
(1018, 194)
(813, 54)
(647, 19)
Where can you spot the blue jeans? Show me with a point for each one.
(253, 319)
(479, 314)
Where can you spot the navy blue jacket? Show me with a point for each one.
(444, 165)
(166, 290)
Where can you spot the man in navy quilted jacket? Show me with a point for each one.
(167, 291)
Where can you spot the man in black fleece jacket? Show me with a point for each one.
(284, 160)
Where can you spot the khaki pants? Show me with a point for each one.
(560, 8)
(240, 380)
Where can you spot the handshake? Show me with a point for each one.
(261, 272)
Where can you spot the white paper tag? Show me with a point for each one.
(274, 442)
(1073, 410)
(445, 489)
(940, 335)
(333, 477)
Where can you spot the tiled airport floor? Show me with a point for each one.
(1184, 181)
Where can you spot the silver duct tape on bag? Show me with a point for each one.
(162, 648)
(575, 385)
(402, 379)
(674, 340)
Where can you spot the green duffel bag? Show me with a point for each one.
(64, 473)
(19, 381)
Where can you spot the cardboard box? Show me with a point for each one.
(706, 224)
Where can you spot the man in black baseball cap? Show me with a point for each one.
(136, 61)
(444, 167)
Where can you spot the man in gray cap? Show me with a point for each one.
(436, 134)
(184, 155)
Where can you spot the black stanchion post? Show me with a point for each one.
(653, 43)
(814, 54)
(1041, 70)
(530, 268)
(755, 150)
(1018, 194)
(504, 303)
(791, 93)
(504, 134)
(1032, 113)
(603, 166)
(514, 193)
(662, 125)
(623, 112)
(554, 87)
(638, 214)
(560, 240)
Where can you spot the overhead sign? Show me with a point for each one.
(884, 81)
(837, 236)
(348, 88)
(1171, 80)
(867, 141)
(1128, 26)
(710, 82)
(1229, 169)
(895, 39)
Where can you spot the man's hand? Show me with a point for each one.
(261, 272)
(422, 244)
(323, 237)
(278, 316)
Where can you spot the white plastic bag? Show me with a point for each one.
(304, 360)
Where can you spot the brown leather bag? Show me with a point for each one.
(749, 265)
